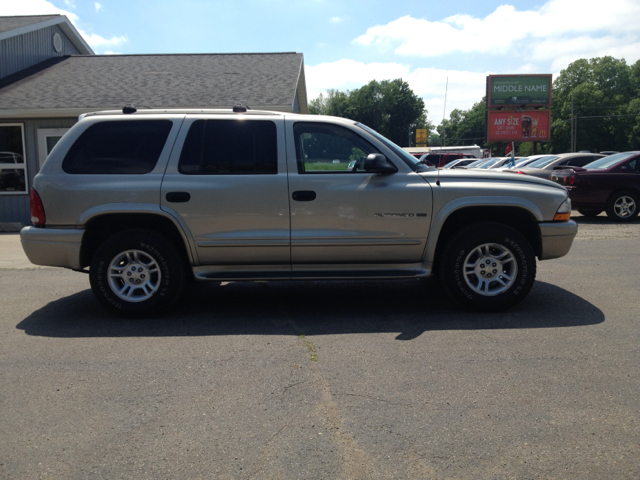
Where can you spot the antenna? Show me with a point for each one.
(444, 112)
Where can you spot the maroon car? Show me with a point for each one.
(610, 183)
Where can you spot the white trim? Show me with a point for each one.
(42, 134)
(18, 166)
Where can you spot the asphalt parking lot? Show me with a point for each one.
(328, 380)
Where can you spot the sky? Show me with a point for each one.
(435, 46)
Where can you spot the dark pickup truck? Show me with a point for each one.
(610, 183)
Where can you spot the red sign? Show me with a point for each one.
(512, 126)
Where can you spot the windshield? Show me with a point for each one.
(476, 163)
(543, 162)
(491, 163)
(409, 159)
(607, 162)
(452, 163)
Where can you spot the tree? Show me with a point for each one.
(602, 90)
(390, 107)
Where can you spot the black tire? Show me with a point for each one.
(506, 279)
(145, 258)
(589, 212)
(622, 206)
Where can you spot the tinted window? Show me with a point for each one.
(230, 147)
(118, 147)
(327, 148)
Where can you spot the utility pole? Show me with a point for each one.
(572, 138)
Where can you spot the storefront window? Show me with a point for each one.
(13, 167)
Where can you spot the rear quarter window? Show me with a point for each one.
(118, 147)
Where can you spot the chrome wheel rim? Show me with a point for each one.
(490, 269)
(624, 207)
(134, 276)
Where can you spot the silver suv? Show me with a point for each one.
(147, 200)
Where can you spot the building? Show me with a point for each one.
(49, 76)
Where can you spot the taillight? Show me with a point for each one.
(37, 209)
(571, 180)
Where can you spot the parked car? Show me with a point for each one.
(611, 183)
(520, 162)
(144, 200)
(502, 163)
(441, 159)
(543, 166)
(460, 163)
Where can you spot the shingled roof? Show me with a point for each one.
(260, 80)
(14, 23)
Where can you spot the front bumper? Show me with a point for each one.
(52, 247)
(557, 238)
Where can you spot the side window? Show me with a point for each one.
(230, 147)
(327, 148)
(126, 147)
(634, 164)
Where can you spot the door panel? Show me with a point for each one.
(355, 217)
(232, 194)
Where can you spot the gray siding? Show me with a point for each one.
(15, 208)
(24, 51)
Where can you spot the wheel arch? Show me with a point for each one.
(102, 226)
(518, 218)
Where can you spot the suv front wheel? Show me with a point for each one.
(137, 273)
(488, 266)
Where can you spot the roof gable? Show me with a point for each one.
(20, 25)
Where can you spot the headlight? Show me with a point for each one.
(564, 211)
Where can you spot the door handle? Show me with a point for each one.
(178, 197)
(304, 195)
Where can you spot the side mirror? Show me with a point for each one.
(378, 163)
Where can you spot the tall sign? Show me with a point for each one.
(518, 126)
(518, 91)
(421, 137)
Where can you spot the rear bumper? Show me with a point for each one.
(52, 247)
(557, 238)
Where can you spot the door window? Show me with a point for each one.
(327, 148)
(230, 147)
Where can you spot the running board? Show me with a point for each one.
(228, 274)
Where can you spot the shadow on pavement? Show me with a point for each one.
(408, 307)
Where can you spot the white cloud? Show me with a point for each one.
(43, 7)
(96, 41)
(70, 3)
(35, 7)
(98, 6)
(335, 19)
(465, 88)
(532, 34)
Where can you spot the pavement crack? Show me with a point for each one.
(373, 398)
(284, 391)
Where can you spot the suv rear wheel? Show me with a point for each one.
(137, 273)
(488, 266)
